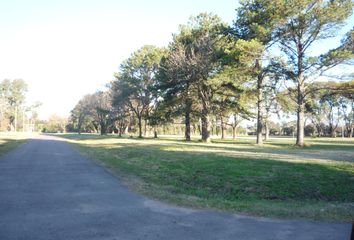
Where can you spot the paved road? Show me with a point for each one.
(48, 191)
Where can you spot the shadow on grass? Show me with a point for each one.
(8, 144)
(340, 151)
(258, 186)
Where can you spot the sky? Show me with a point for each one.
(65, 49)
(68, 48)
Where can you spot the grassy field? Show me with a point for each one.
(277, 179)
(9, 141)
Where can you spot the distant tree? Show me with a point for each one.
(135, 80)
(234, 121)
(327, 103)
(230, 97)
(33, 112)
(346, 105)
(330, 103)
(55, 124)
(102, 111)
(347, 111)
(159, 115)
(123, 116)
(316, 114)
(12, 93)
(81, 111)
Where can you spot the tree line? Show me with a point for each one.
(262, 65)
(15, 115)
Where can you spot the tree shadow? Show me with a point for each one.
(203, 174)
(8, 144)
(229, 182)
(338, 151)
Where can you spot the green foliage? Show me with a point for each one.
(135, 83)
(54, 124)
(211, 70)
(258, 19)
(13, 91)
(12, 98)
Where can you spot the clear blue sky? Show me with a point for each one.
(65, 49)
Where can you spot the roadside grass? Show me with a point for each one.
(9, 141)
(274, 180)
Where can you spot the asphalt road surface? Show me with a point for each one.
(49, 191)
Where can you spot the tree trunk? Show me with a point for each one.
(333, 133)
(259, 106)
(155, 132)
(140, 127)
(319, 131)
(187, 120)
(199, 130)
(103, 129)
(300, 131)
(234, 128)
(145, 127)
(223, 127)
(205, 125)
(95, 126)
(15, 126)
(266, 128)
(259, 118)
(79, 128)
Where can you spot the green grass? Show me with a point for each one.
(277, 179)
(9, 141)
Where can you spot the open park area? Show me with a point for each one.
(178, 120)
(170, 189)
(277, 179)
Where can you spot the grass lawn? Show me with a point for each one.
(9, 141)
(277, 179)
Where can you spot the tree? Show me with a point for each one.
(81, 111)
(33, 116)
(122, 118)
(135, 80)
(304, 24)
(12, 93)
(254, 26)
(176, 83)
(229, 98)
(316, 114)
(331, 105)
(102, 111)
(347, 110)
(201, 39)
(55, 124)
(159, 115)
